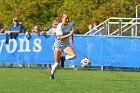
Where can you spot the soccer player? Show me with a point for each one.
(61, 44)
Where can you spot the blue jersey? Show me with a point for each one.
(93, 31)
(18, 27)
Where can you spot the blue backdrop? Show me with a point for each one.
(101, 50)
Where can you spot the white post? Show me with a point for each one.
(132, 30)
(136, 21)
(120, 27)
(102, 68)
(136, 30)
(108, 29)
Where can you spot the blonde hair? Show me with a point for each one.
(64, 14)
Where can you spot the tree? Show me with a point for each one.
(82, 12)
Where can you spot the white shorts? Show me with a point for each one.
(60, 48)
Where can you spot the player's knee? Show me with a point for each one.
(74, 56)
(70, 57)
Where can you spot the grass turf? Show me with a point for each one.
(24, 80)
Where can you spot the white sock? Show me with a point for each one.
(54, 68)
(70, 57)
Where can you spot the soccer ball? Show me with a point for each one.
(85, 63)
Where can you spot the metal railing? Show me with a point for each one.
(118, 26)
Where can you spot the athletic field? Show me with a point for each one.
(24, 80)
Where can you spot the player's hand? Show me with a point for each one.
(71, 41)
(71, 32)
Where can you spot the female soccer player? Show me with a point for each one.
(61, 44)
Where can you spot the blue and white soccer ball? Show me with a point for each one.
(85, 63)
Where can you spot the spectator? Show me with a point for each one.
(15, 27)
(23, 29)
(94, 29)
(50, 30)
(36, 29)
(53, 28)
(13, 31)
(90, 27)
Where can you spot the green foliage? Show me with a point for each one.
(82, 12)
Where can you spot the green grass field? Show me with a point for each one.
(24, 80)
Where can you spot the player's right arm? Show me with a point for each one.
(59, 33)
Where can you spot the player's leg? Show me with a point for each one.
(70, 53)
(57, 55)
(62, 61)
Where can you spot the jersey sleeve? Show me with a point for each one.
(20, 28)
(59, 30)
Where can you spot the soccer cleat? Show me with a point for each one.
(62, 62)
(52, 76)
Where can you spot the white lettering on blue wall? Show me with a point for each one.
(24, 43)
(1, 45)
(21, 45)
(37, 45)
(8, 46)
